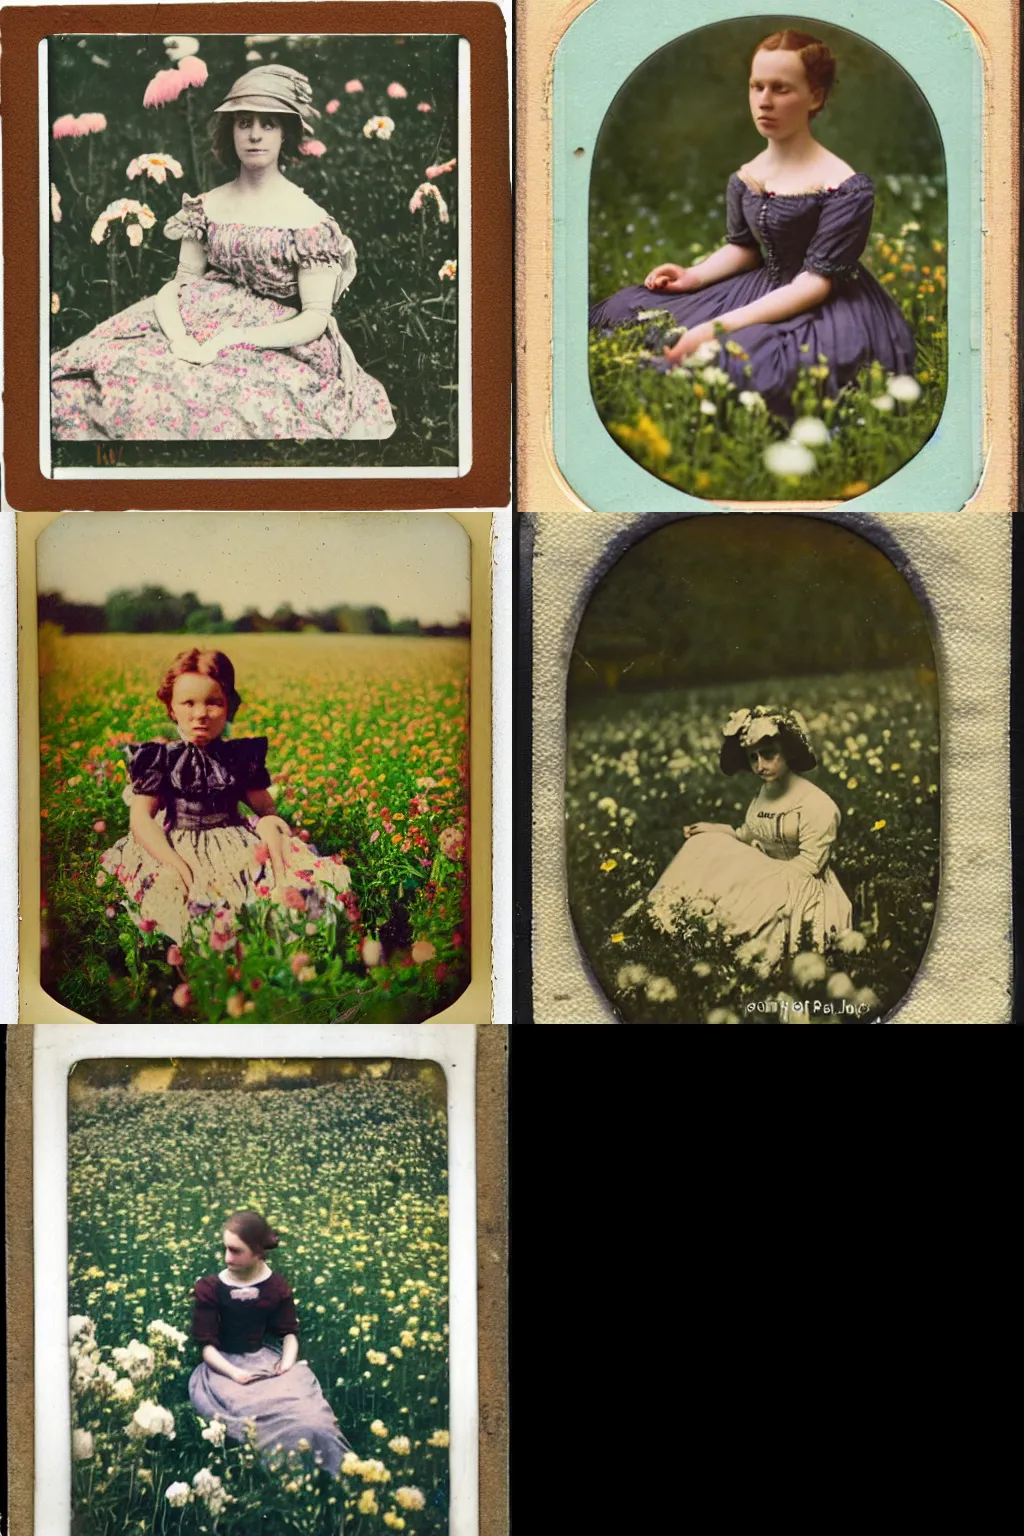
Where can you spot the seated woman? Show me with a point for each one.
(788, 290)
(243, 1379)
(769, 878)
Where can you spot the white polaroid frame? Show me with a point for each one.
(57, 1047)
(248, 471)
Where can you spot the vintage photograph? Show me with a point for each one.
(257, 1291)
(752, 796)
(768, 257)
(254, 766)
(253, 252)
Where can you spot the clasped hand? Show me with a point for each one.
(669, 278)
(203, 352)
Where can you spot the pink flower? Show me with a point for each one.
(166, 85)
(297, 963)
(351, 87)
(69, 127)
(422, 951)
(55, 212)
(220, 941)
(174, 955)
(92, 122)
(333, 105)
(263, 889)
(293, 898)
(313, 147)
(155, 167)
(449, 269)
(372, 952)
(101, 878)
(457, 939)
(148, 925)
(304, 835)
(374, 835)
(424, 106)
(425, 190)
(452, 842)
(398, 92)
(182, 996)
(236, 1005)
(194, 70)
(261, 853)
(99, 826)
(434, 171)
(111, 911)
(66, 127)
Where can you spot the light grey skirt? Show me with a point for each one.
(285, 1409)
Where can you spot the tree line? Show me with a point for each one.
(153, 610)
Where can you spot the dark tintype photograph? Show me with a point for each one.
(752, 802)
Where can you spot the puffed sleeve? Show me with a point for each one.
(737, 230)
(325, 246)
(205, 1312)
(250, 764)
(147, 766)
(284, 1319)
(189, 223)
(843, 229)
(819, 827)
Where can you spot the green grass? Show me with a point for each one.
(654, 758)
(399, 317)
(368, 742)
(353, 1177)
(658, 419)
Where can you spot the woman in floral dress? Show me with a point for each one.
(242, 342)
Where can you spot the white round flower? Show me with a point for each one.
(714, 375)
(705, 353)
(865, 998)
(904, 388)
(809, 430)
(629, 976)
(751, 400)
(80, 1325)
(150, 1419)
(840, 985)
(808, 967)
(883, 402)
(178, 1495)
(82, 1448)
(137, 1360)
(214, 1432)
(788, 459)
(723, 1016)
(708, 408)
(852, 942)
(660, 990)
(607, 804)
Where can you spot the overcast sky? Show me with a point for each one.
(414, 564)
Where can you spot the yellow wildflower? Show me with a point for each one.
(609, 864)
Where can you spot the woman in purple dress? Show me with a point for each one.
(788, 290)
(242, 342)
(244, 1380)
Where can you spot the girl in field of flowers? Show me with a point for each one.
(241, 343)
(242, 1379)
(771, 877)
(190, 851)
(787, 291)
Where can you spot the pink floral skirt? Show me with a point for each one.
(121, 381)
(231, 869)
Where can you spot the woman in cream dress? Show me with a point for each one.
(770, 878)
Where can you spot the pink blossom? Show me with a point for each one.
(457, 939)
(111, 911)
(297, 963)
(372, 952)
(263, 889)
(182, 996)
(313, 147)
(422, 951)
(174, 955)
(55, 212)
(148, 925)
(219, 942)
(92, 122)
(397, 91)
(425, 190)
(261, 853)
(166, 85)
(155, 167)
(236, 1006)
(99, 826)
(351, 87)
(303, 834)
(434, 171)
(424, 106)
(69, 127)
(293, 898)
(452, 842)
(333, 105)
(194, 70)
(66, 127)
(374, 835)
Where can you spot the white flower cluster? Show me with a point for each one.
(210, 1489)
(158, 1329)
(138, 1360)
(214, 1432)
(150, 1419)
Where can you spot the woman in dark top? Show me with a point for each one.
(787, 290)
(242, 1378)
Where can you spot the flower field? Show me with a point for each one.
(692, 428)
(353, 1175)
(368, 750)
(128, 138)
(642, 768)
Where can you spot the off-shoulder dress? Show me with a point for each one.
(284, 1410)
(768, 881)
(823, 231)
(199, 789)
(121, 381)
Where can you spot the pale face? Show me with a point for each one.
(199, 707)
(767, 761)
(258, 138)
(238, 1256)
(781, 101)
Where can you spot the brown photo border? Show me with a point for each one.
(488, 481)
(492, 1253)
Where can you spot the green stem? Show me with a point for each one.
(193, 151)
(112, 272)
